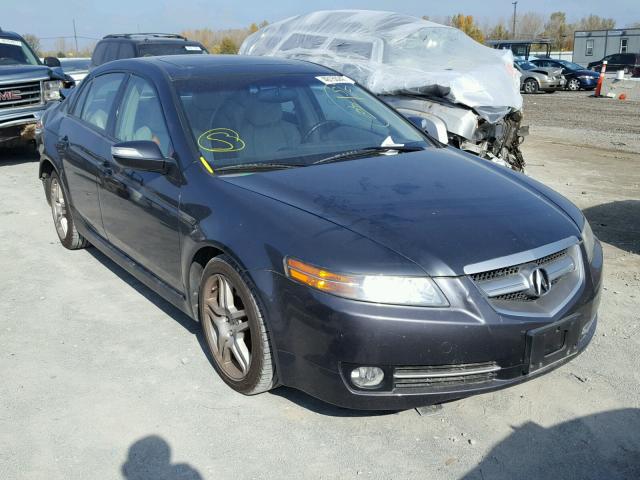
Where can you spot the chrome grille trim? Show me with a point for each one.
(426, 377)
(507, 281)
(30, 92)
(520, 258)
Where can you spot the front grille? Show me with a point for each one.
(510, 284)
(22, 94)
(416, 378)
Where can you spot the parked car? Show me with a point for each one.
(629, 62)
(534, 79)
(27, 87)
(577, 77)
(322, 241)
(132, 45)
(76, 68)
(467, 95)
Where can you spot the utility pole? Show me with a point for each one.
(515, 7)
(75, 35)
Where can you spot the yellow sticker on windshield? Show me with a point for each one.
(221, 140)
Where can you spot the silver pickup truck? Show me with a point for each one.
(27, 87)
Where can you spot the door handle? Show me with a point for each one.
(63, 144)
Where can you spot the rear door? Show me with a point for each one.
(84, 146)
(140, 209)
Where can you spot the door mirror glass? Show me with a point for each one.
(140, 155)
(51, 62)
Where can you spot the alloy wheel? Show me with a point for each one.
(574, 84)
(59, 209)
(228, 333)
(530, 86)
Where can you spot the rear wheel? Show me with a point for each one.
(234, 328)
(530, 85)
(61, 212)
(574, 85)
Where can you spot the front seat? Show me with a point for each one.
(265, 131)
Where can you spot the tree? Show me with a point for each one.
(253, 28)
(529, 25)
(33, 42)
(227, 45)
(468, 26)
(498, 32)
(557, 30)
(595, 22)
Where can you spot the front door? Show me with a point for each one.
(140, 209)
(84, 146)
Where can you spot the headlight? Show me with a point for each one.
(394, 290)
(585, 77)
(52, 90)
(588, 239)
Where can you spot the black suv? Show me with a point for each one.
(27, 87)
(132, 45)
(629, 62)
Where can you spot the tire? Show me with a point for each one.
(61, 213)
(573, 85)
(530, 85)
(234, 328)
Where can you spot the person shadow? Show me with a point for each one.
(150, 459)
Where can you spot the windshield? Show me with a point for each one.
(15, 52)
(525, 65)
(175, 48)
(570, 65)
(288, 119)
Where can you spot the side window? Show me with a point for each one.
(140, 116)
(100, 98)
(126, 50)
(352, 48)
(111, 52)
(589, 49)
(82, 96)
(98, 54)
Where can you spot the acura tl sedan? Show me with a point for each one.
(322, 241)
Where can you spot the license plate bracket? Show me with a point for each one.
(552, 343)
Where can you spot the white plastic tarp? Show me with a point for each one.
(392, 53)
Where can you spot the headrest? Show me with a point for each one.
(263, 113)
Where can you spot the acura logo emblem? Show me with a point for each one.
(539, 283)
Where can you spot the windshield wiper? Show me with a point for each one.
(365, 152)
(256, 166)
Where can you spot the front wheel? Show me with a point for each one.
(234, 328)
(574, 85)
(530, 86)
(61, 212)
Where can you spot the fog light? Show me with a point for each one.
(367, 377)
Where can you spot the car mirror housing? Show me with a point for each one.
(51, 62)
(140, 155)
(434, 127)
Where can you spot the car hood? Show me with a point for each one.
(549, 71)
(589, 73)
(29, 72)
(439, 208)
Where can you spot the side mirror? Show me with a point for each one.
(432, 126)
(140, 155)
(51, 62)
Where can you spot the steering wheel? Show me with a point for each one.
(330, 124)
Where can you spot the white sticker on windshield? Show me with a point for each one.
(193, 48)
(334, 79)
(6, 41)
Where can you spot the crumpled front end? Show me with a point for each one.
(497, 141)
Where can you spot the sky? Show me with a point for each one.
(96, 18)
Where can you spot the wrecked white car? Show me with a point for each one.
(460, 91)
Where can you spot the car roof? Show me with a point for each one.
(148, 37)
(10, 35)
(178, 67)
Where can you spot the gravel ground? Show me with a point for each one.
(100, 378)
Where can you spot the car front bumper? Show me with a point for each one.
(14, 121)
(549, 85)
(470, 347)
